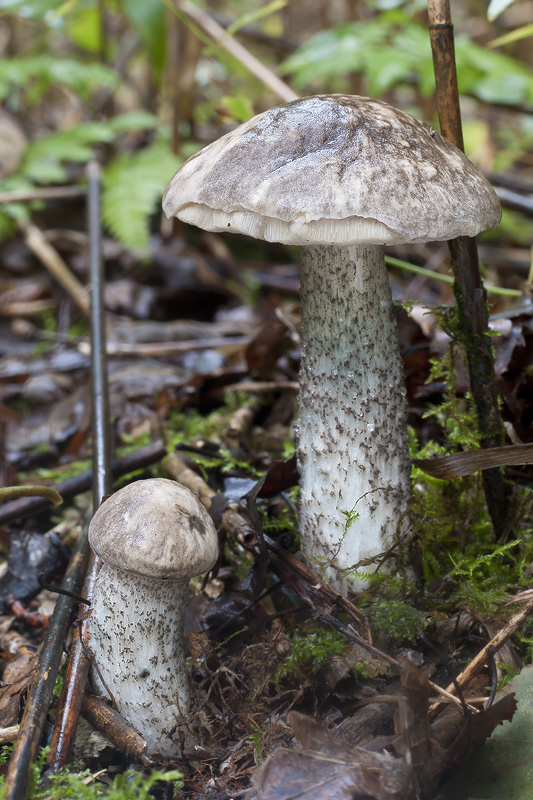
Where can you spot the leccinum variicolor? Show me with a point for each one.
(341, 176)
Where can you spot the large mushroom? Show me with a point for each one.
(152, 536)
(341, 176)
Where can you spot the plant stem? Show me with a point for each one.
(470, 295)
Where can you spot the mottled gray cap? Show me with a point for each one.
(155, 528)
(334, 169)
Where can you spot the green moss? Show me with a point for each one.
(308, 651)
(80, 786)
(395, 622)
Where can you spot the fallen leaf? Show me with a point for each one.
(459, 465)
(17, 677)
(503, 768)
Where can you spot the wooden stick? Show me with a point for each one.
(470, 295)
(78, 664)
(50, 258)
(51, 193)
(9, 734)
(122, 734)
(223, 39)
(495, 643)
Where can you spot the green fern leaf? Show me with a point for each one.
(132, 188)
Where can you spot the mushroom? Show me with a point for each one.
(342, 176)
(152, 536)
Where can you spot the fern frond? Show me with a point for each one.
(132, 188)
(44, 158)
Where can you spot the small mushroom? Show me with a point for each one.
(152, 536)
(342, 176)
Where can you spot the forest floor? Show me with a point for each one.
(203, 357)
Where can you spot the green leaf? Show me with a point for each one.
(33, 76)
(132, 188)
(85, 29)
(502, 769)
(337, 51)
(239, 107)
(44, 158)
(149, 20)
(255, 16)
(133, 121)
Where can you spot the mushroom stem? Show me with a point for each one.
(352, 451)
(136, 638)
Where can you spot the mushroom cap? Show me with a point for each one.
(156, 528)
(334, 169)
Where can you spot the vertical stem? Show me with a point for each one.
(469, 292)
(78, 664)
(443, 49)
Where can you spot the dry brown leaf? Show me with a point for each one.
(459, 465)
(17, 677)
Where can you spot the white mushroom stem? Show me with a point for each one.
(136, 638)
(352, 450)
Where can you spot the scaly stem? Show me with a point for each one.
(352, 451)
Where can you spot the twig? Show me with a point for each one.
(470, 295)
(71, 487)
(50, 258)
(493, 646)
(15, 492)
(262, 387)
(517, 202)
(223, 39)
(9, 734)
(52, 193)
(40, 694)
(155, 349)
(124, 736)
(78, 664)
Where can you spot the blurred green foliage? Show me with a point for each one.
(393, 49)
(68, 46)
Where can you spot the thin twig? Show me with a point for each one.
(51, 193)
(78, 664)
(223, 39)
(162, 349)
(50, 258)
(493, 646)
(40, 694)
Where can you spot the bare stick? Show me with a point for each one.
(78, 664)
(50, 258)
(223, 39)
(495, 643)
(122, 734)
(24, 507)
(51, 193)
(470, 295)
(40, 694)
